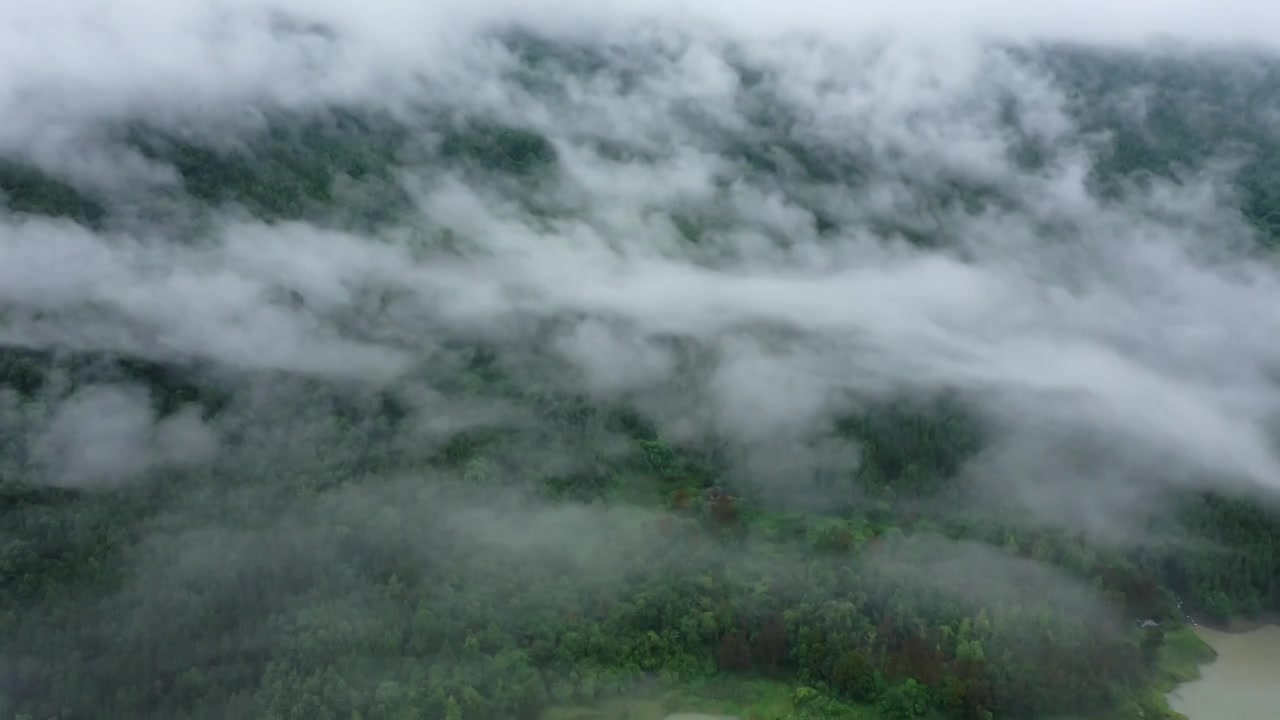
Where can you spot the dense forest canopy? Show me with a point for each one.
(357, 369)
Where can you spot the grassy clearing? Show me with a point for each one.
(1181, 657)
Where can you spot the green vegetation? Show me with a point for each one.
(27, 190)
(291, 167)
(743, 697)
(1196, 109)
(563, 559)
(357, 620)
(510, 150)
(1181, 657)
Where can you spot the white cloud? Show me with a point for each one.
(103, 436)
(1141, 317)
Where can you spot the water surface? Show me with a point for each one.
(1242, 684)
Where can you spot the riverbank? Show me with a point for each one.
(1239, 625)
(1179, 662)
(1233, 624)
(1183, 654)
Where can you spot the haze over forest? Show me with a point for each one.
(396, 360)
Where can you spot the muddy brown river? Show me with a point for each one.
(1242, 684)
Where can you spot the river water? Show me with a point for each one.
(1242, 684)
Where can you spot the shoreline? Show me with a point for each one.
(1236, 625)
(1233, 625)
(1182, 661)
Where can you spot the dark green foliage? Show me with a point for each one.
(28, 190)
(328, 599)
(332, 564)
(1236, 569)
(172, 385)
(1195, 109)
(560, 57)
(1152, 641)
(288, 170)
(501, 149)
(914, 447)
(22, 370)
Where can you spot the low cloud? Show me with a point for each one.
(746, 240)
(105, 436)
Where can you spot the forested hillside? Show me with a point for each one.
(580, 364)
